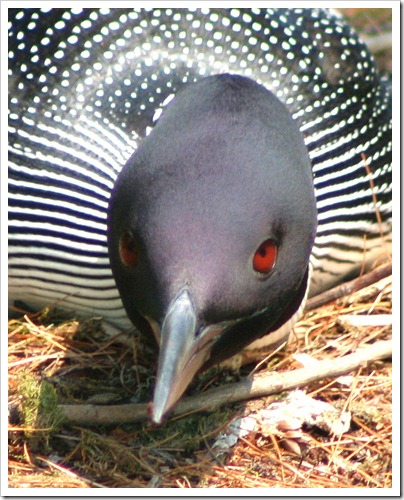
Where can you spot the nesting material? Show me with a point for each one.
(285, 419)
(52, 363)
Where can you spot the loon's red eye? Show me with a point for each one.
(265, 257)
(128, 249)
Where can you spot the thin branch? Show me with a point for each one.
(349, 287)
(378, 43)
(260, 385)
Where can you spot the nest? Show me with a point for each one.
(56, 364)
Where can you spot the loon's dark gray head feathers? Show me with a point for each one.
(211, 223)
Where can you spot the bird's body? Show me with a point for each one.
(87, 86)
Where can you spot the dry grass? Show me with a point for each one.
(52, 361)
(75, 362)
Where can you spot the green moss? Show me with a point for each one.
(38, 409)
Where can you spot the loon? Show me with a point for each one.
(196, 173)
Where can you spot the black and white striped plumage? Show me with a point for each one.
(86, 85)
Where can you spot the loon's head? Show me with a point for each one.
(211, 225)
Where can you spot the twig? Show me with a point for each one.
(349, 287)
(64, 470)
(378, 43)
(366, 320)
(257, 386)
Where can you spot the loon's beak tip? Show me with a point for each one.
(161, 404)
(180, 357)
(156, 417)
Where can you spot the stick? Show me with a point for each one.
(255, 387)
(378, 43)
(349, 287)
